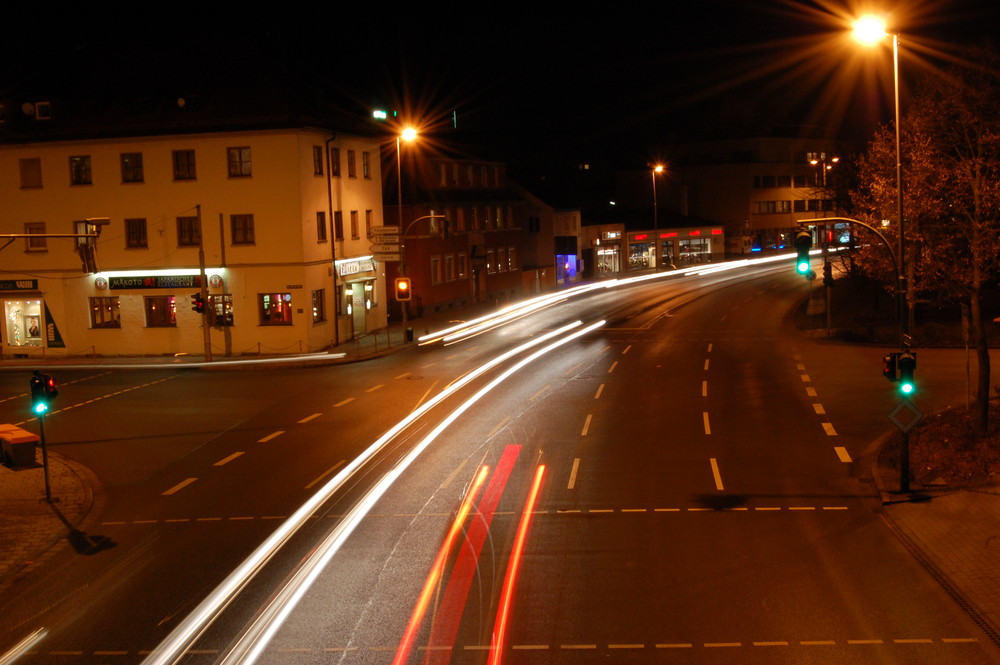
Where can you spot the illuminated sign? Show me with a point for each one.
(155, 282)
(716, 232)
(354, 266)
(696, 232)
(18, 284)
(641, 236)
(672, 234)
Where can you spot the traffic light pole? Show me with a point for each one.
(45, 457)
(206, 330)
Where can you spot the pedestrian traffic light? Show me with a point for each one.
(43, 391)
(803, 243)
(403, 288)
(907, 363)
(197, 303)
(889, 366)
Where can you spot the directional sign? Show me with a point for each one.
(384, 248)
(385, 230)
(387, 238)
(386, 256)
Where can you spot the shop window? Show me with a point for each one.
(161, 311)
(105, 312)
(318, 304)
(220, 309)
(275, 309)
(23, 322)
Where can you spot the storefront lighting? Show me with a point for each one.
(172, 272)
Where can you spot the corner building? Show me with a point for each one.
(277, 198)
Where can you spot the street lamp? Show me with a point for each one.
(656, 169)
(409, 134)
(870, 30)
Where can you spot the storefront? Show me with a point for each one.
(357, 294)
(28, 327)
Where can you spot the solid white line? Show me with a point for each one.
(716, 474)
(179, 486)
(272, 435)
(226, 460)
(586, 425)
(572, 474)
(704, 417)
(843, 454)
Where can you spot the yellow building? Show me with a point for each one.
(275, 207)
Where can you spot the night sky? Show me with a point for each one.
(563, 81)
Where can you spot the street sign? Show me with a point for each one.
(384, 248)
(387, 238)
(385, 230)
(386, 256)
(905, 416)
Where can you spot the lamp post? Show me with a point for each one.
(656, 169)
(409, 134)
(870, 30)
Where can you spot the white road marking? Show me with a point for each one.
(600, 389)
(454, 474)
(704, 418)
(828, 427)
(344, 401)
(308, 418)
(586, 425)
(626, 349)
(843, 454)
(227, 460)
(612, 368)
(704, 388)
(818, 408)
(573, 472)
(326, 473)
(374, 388)
(272, 435)
(811, 392)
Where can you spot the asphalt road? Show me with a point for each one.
(697, 497)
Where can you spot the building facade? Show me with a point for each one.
(273, 211)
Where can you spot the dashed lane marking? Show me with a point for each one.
(842, 454)
(179, 486)
(272, 435)
(227, 460)
(344, 401)
(828, 428)
(308, 418)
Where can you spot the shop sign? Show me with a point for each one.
(18, 284)
(155, 282)
(352, 267)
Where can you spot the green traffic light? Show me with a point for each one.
(40, 408)
(802, 267)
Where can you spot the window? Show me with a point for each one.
(242, 229)
(338, 225)
(449, 267)
(79, 170)
(459, 220)
(352, 170)
(502, 259)
(239, 162)
(511, 258)
(366, 165)
(369, 222)
(784, 181)
(135, 233)
(31, 172)
(317, 160)
(320, 226)
(105, 312)
(35, 244)
(436, 277)
(131, 166)
(161, 311)
(275, 309)
(491, 261)
(220, 309)
(335, 162)
(184, 168)
(463, 265)
(188, 232)
(355, 229)
(319, 309)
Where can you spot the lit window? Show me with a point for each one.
(161, 311)
(239, 162)
(275, 309)
(105, 312)
(35, 244)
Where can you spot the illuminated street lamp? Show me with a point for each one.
(409, 134)
(870, 30)
(656, 169)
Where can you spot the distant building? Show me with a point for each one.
(276, 189)
(470, 235)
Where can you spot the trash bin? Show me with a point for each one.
(18, 446)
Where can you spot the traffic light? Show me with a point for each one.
(197, 303)
(889, 366)
(907, 363)
(827, 274)
(803, 243)
(403, 288)
(43, 391)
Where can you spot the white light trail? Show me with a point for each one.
(173, 647)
